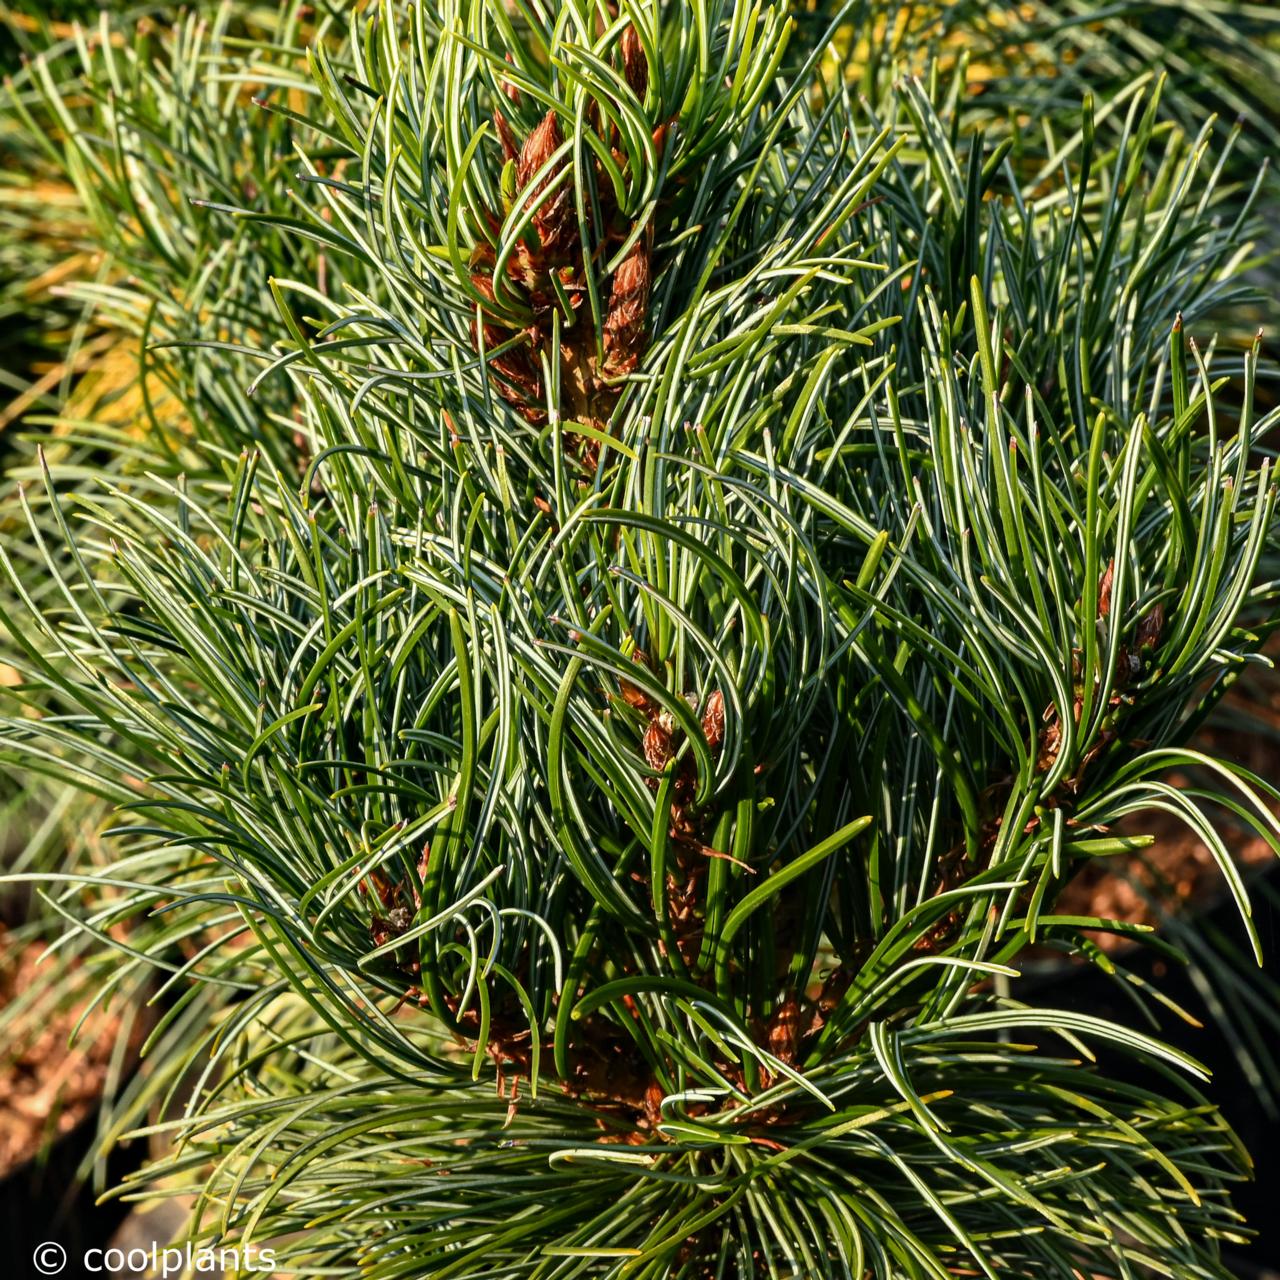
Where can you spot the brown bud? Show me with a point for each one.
(1050, 740)
(632, 695)
(378, 882)
(538, 148)
(516, 374)
(553, 218)
(635, 67)
(1104, 590)
(628, 310)
(713, 720)
(384, 929)
(657, 744)
(1151, 628)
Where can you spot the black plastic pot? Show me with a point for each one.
(42, 1200)
(1247, 1271)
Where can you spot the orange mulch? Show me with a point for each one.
(46, 1089)
(1179, 869)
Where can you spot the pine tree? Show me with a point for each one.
(658, 538)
